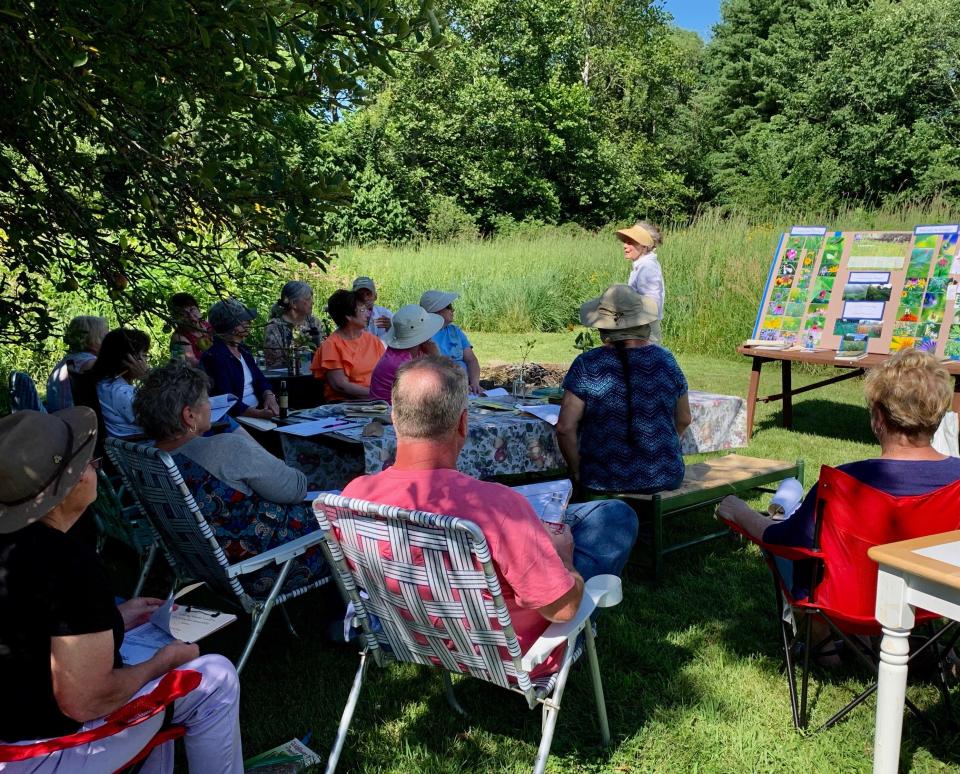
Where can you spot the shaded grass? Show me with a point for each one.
(691, 668)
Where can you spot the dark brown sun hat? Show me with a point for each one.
(43, 457)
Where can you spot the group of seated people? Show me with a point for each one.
(623, 413)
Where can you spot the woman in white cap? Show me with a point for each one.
(61, 632)
(451, 340)
(640, 242)
(408, 338)
(625, 404)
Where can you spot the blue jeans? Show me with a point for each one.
(604, 532)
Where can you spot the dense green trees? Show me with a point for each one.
(808, 103)
(540, 110)
(141, 140)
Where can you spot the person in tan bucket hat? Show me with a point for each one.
(625, 404)
(408, 338)
(640, 243)
(61, 631)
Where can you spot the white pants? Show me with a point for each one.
(211, 714)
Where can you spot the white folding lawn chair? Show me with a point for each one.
(155, 481)
(437, 601)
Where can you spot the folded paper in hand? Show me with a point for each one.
(220, 405)
(167, 624)
(549, 499)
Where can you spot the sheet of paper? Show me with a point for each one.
(952, 293)
(496, 392)
(257, 424)
(549, 499)
(549, 413)
(948, 553)
(863, 310)
(869, 278)
(317, 426)
(220, 405)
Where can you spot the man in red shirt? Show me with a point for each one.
(541, 573)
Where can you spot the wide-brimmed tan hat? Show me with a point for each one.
(43, 456)
(620, 306)
(637, 234)
(435, 300)
(411, 325)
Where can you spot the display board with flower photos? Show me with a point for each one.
(858, 292)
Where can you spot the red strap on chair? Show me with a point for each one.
(172, 686)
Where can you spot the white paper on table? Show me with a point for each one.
(220, 405)
(952, 289)
(317, 426)
(496, 392)
(948, 553)
(549, 413)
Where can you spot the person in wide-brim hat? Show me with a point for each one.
(625, 404)
(61, 629)
(44, 456)
(409, 337)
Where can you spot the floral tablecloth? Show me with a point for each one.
(719, 422)
(499, 443)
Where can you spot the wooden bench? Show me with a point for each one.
(704, 483)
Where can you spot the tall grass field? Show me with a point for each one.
(714, 267)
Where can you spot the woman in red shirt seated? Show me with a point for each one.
(347, 357)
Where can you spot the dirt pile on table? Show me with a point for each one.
(534, 375)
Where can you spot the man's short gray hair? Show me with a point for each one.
(159, 403)
(429, 395)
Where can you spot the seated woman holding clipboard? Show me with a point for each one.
(61, 631)
(252, 500)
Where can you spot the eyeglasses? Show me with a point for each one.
(96, 463)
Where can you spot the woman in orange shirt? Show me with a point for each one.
(347, 357)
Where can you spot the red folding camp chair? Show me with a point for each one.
(171, 687)
(850, 518)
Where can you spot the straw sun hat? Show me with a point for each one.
(620, 306)
(412, 325)
(44, 456)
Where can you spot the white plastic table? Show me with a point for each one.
(907, 580)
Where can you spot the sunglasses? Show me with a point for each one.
(96, 463)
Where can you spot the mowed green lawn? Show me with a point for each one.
(691, 668)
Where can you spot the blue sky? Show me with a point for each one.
(697, 15)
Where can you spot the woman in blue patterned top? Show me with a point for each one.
(625, 404)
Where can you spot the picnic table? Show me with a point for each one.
(499, 444)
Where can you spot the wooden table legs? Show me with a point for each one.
(786, 381)
(752, 392)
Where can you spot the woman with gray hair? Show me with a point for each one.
(252, 500)
(83, 338)
(625, 404)
(291, 320)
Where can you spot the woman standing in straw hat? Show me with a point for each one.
(625, 404)
(60, 631)
(640, 242)
(409, 337)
